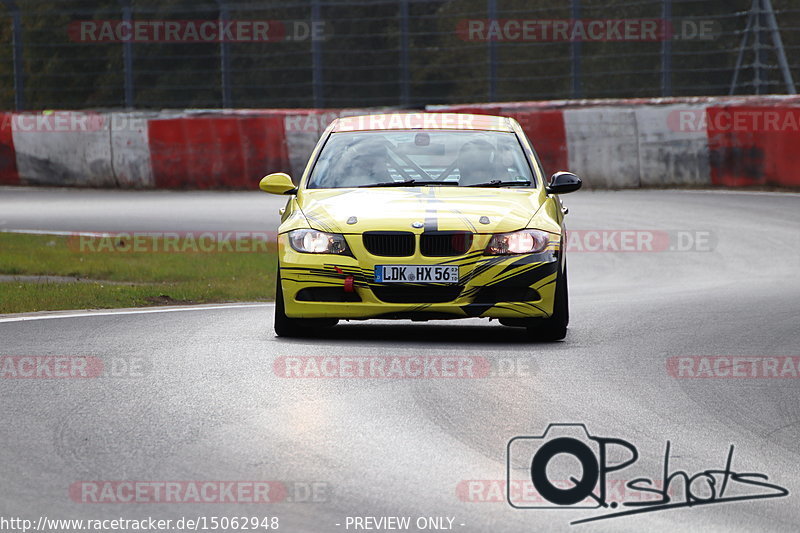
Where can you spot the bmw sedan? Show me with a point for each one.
(423, 216)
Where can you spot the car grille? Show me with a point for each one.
(405, 294)
(445, 243)
(389, 243)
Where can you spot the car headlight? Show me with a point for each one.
(311, 241)
(529, 241)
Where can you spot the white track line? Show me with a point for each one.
(132, 312)
(56, 233)
(728, 192)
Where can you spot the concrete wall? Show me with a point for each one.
(741, 141)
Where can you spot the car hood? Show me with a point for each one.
(480, 210)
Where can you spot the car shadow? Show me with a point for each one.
(416, 333)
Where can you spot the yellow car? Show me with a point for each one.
(422, 216)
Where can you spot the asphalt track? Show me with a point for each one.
(209, 406)
(94, 210)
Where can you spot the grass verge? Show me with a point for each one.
(112, 276)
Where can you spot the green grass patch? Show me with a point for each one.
(120, 276)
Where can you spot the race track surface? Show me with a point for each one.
(207, 403)
(96, 210)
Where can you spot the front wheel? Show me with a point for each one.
(296, 327)
(555, 327)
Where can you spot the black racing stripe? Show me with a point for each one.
(466, 260)
(477, 309)
(483, 267)
(431, 216)
(528, 277)
(506, 274)
(544, 257)
(330, 272)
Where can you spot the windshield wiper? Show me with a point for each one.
(499, 183)
(409, 183)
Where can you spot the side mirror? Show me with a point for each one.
(563, 182)
(278, 183)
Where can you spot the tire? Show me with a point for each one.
(296, 327)
(555, 327)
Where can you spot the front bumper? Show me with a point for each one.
(511, 286)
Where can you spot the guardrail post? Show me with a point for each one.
(576, 55)
(405, 81)
(759, 48)
(491, 8)
(317, 80)
(127, 56)
(224, 58)
(19, 61)
(666, 48)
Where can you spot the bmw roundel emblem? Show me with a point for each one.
(417, 224)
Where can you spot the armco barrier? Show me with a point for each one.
(668, 155)
(726, 141)
(546, 126)
(215, 152)
(664, 142)
(130, 150)
(603, 147)
(754, 145)
(74, 152)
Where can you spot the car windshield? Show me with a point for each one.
(408, 158)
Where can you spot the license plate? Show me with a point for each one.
(416, 274)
